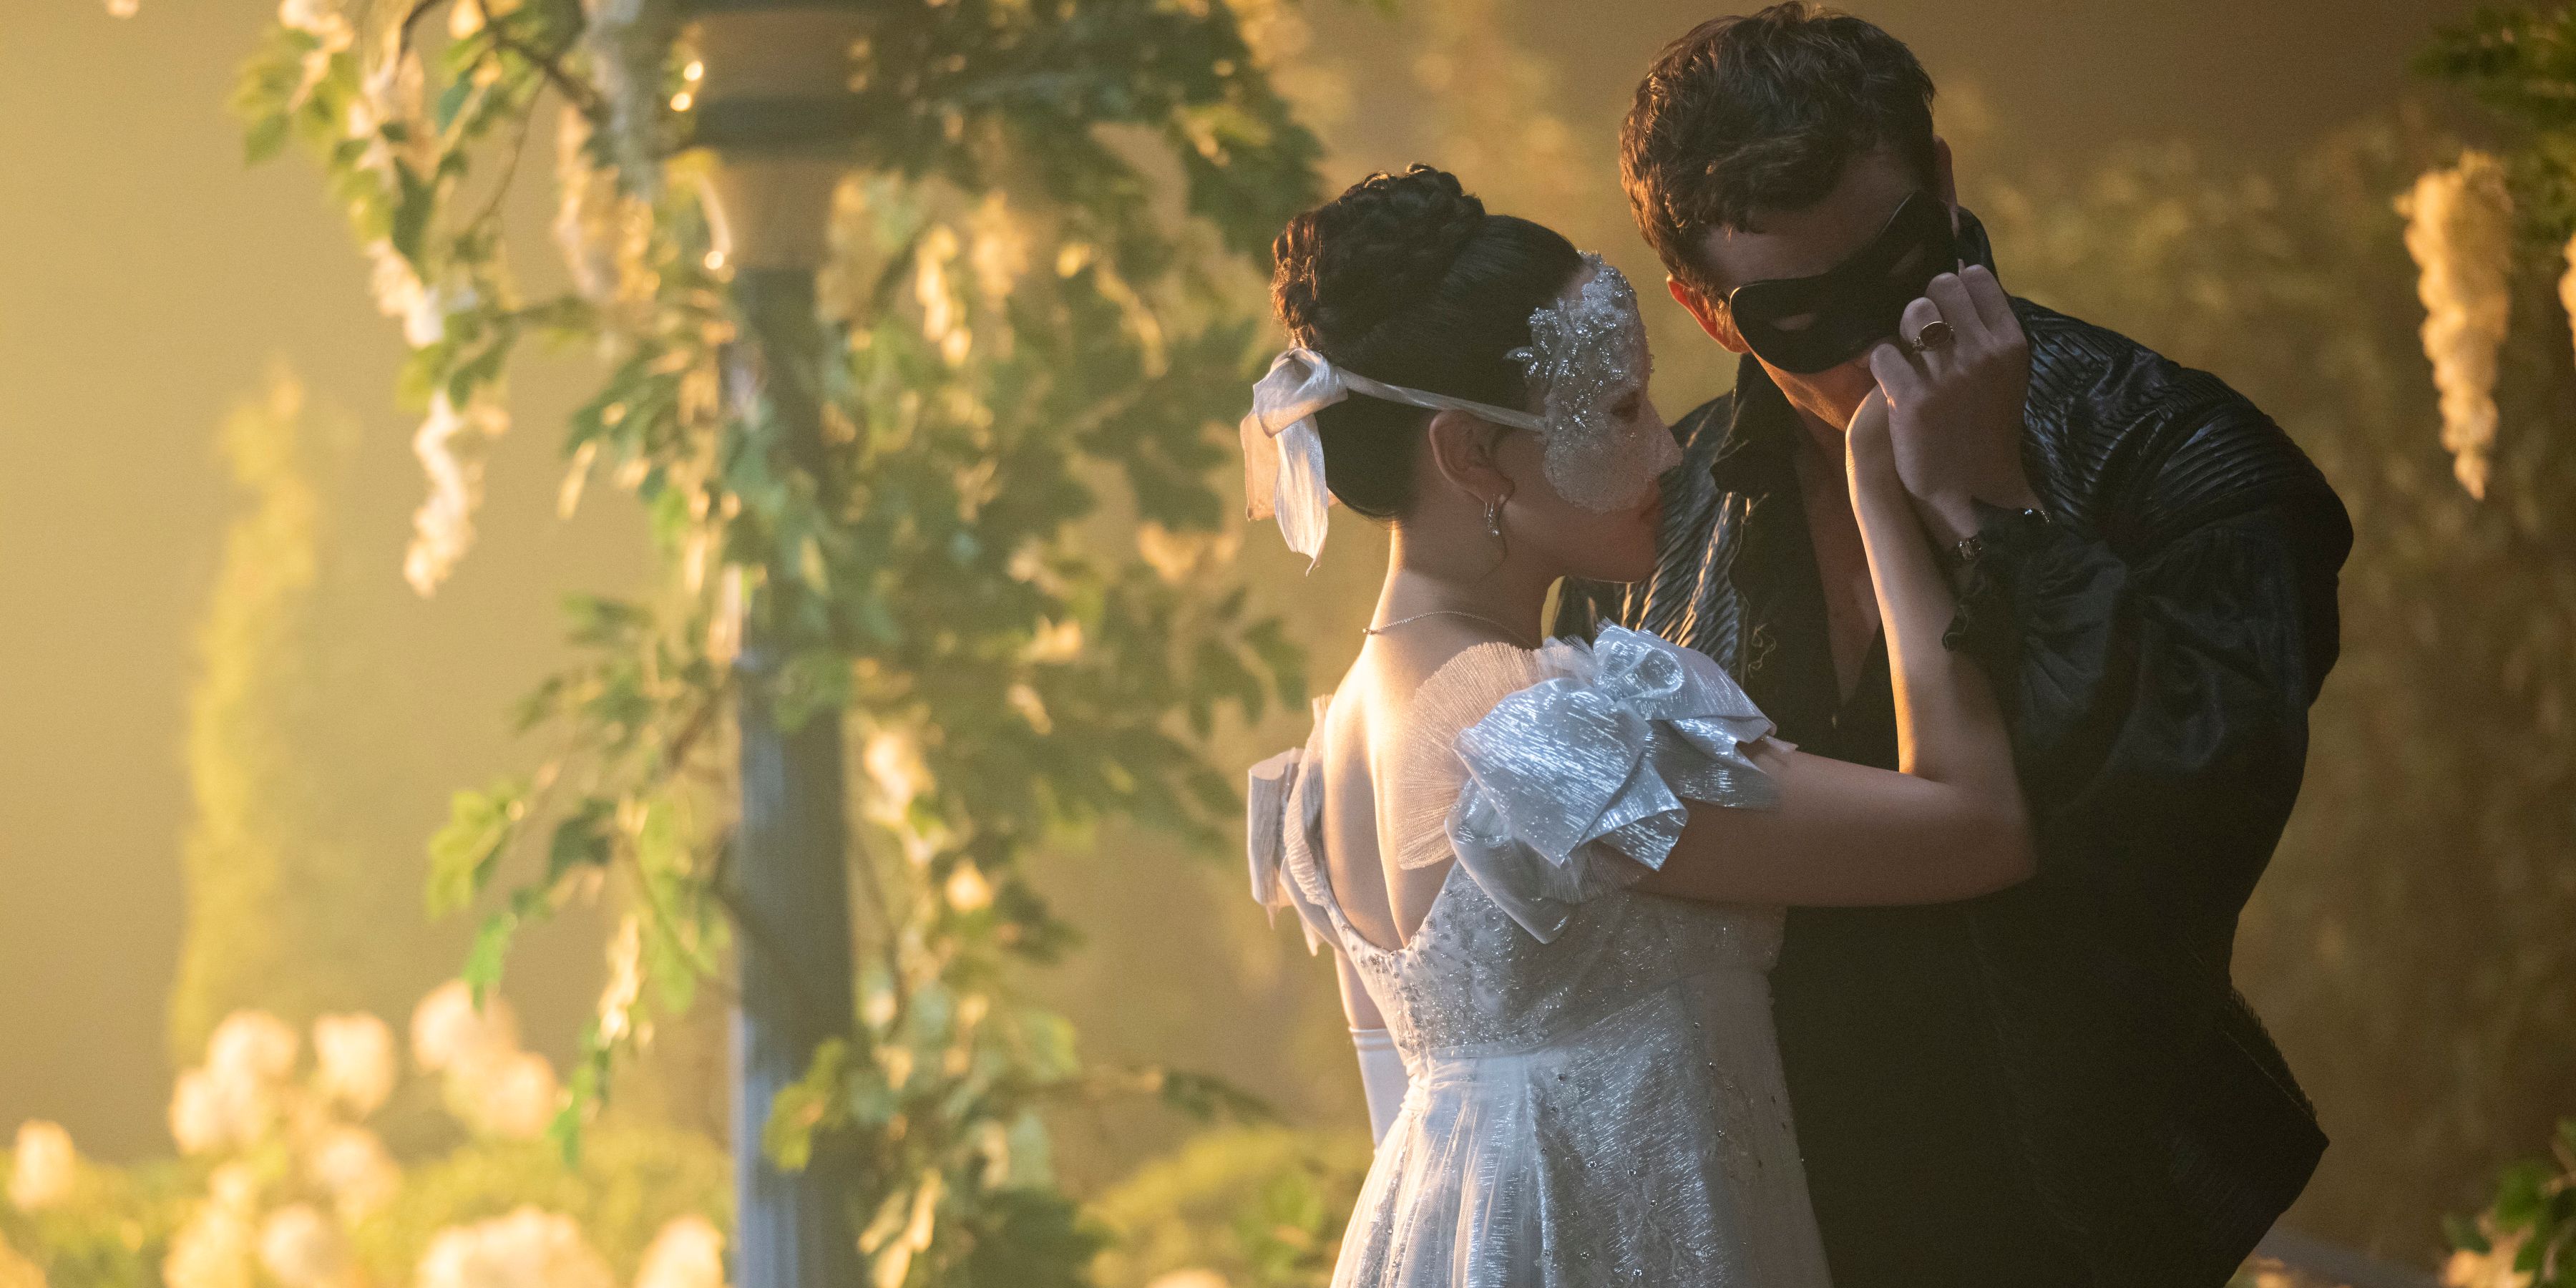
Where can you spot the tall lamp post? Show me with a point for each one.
(775, 106)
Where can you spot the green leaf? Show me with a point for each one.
(264, 138)
(1032, 1237)
(414, 208)
(1282, 656)
(1207, 1097)
(813, 682)
(586, 839)
(2463, 1234)
(490, 953)
(1047, 1045)
(463, 854)
(810, 1104)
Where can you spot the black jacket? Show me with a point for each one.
(2071, 1078)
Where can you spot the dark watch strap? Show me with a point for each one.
(1973, 545)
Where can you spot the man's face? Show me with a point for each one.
(1804, 243)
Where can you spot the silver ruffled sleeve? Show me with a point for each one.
(1576, 784)
(1279, 815)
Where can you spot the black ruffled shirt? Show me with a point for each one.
(2056, 1084)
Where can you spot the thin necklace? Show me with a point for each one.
(1517, 635)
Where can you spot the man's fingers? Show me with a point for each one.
(1897, 373)
(1951, 296)
(1918, 315)
(1992, 304)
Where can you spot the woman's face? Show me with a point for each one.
(1586, 492)
(1572, 540)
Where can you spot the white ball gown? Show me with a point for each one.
(1595, 1094)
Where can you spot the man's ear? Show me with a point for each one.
(1712, 316)
(1945, 179)
(1462, 449)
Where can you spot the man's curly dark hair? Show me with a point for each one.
(1762, 112)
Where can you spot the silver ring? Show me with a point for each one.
(1934, 334)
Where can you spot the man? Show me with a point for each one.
(2057, 1085)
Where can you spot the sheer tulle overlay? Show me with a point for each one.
(1595, 1090)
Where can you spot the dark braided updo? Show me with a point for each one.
(1405, 279)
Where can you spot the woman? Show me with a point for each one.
(1552, 875)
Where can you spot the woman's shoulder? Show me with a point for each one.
(1576, 784)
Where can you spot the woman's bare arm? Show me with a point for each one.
(1357, 1006)
(1950, 825)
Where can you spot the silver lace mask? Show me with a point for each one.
(1586, 358)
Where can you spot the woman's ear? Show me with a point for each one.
(1712, 316)
(1462, 449)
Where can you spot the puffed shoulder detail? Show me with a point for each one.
(1282, 816)
(1576, 784)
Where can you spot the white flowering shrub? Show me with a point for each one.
(529, 1248)
(1017, 336)
(283, 1181)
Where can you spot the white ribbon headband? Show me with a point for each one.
(1283, 454)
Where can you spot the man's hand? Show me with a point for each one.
(1955, 407)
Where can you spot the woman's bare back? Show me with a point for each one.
(1363, 739)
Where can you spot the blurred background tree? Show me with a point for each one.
(871, 502)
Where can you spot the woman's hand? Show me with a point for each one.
(1955, 405)
(1869, 454)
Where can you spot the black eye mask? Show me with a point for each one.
(1810, 324)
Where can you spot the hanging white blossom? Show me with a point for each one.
(967, 890)
(400, 294)
(688, 1253)
(392, 90)
(450, 446)
(895, 775)
(216, 1247)
(513, 1098)
(355, 1169)
(448, 1029)
(492, 1086)
(252, 1046)
(41, 1166)
(233, 1098)
(320, 19)
(2460, 231)
(301, 1248)
(211, 1251)
(529, 1248)
(198, 1118)
(353, 1061)
(625, 980)
(943, 322)
(587, 223)
(606, 235)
